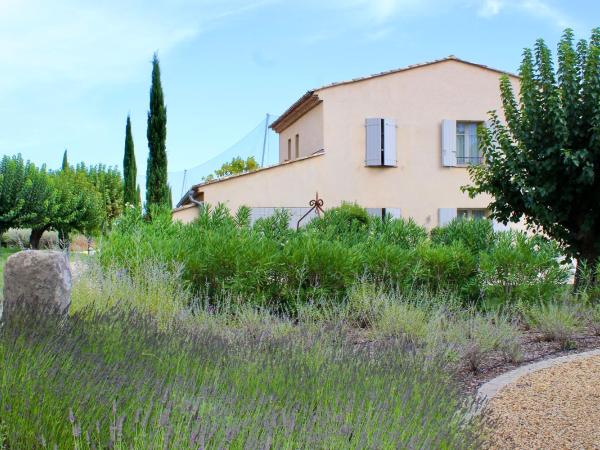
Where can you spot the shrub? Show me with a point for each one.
(398, 232)
(593, 319)
(387, 265)
(556, 321)
(402, 319)
(115, 380)
(475, 235)
(311, 268)
(346, 222)
(521, 268)
(446, 268)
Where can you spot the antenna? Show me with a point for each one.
(262, 159)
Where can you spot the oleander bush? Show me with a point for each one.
(269, 263)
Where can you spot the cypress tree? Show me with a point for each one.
(130, 194)
(157, 189)
(65, 162)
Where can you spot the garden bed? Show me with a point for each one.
(534, 349)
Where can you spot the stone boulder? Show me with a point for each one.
(38, 281)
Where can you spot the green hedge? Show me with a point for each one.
(272, 264)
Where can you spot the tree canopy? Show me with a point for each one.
(70, 199)
(543, 163)
(236, 165)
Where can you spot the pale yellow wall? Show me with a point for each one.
(418, 100)
(310, 130)
(291, 184)
(185, 214)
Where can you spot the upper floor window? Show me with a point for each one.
(289, 149)
(297, 146)
(467, 144)
(380, 142)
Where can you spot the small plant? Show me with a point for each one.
(402, 319)
(556, 321)
(593, 319)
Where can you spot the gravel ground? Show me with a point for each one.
(554, 408)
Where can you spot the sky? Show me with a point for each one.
(71, 70)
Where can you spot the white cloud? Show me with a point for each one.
(542, 9)
(490, 7)
(97, 42)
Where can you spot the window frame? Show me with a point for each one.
(469, 213)
(466, 161)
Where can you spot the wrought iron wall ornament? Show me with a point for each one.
(316, 204)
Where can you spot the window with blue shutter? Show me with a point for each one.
(380, 142)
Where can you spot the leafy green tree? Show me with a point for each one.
(130, 195)
(543, 164)
(75, 206)
(236, 165)
(109, 184)
(157, 189)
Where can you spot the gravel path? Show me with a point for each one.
(554, 408)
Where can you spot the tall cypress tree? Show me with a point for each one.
(130, 194)
(65, 162)
(157, 189)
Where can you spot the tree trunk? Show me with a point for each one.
(35, 237)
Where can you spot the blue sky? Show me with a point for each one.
(71, 70)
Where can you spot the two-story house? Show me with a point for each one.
(397, 142)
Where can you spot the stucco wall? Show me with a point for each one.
(291, 185)
(309, 128)
(418, 100)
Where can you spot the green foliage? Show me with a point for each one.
(543, 164)
(26, 195)
(270, 263)
(71, 199)
(115, 379)
(130, 187)
(343, 222)
(475, 235)
(450, 267)
(65, 162)
(233, 167)
(109, 184)
(157, 189)
(557, 321)
(518, 268)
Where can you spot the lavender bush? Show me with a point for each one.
(116, 379)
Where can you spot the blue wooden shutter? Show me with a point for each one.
(389, 142)
(448, 143)
(373, 144)
(446, 215)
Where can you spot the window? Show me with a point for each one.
(475, 214)
(289, 155)
(297, 146)
(467, 143)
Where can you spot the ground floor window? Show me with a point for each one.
(471, 213)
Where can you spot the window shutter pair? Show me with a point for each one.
(381, 142)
